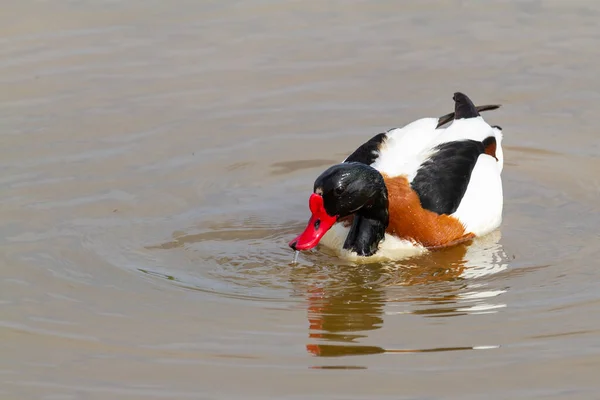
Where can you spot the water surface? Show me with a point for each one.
(157, 157)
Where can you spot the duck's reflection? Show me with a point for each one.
(345, 314)
(346, 302)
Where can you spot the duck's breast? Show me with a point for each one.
(390, 249)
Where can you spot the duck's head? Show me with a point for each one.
(342, 190)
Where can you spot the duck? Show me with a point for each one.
(431, 184)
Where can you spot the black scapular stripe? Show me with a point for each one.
(442, 180)
(368, 152)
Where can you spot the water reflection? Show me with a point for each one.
(346, 302)
(345, 315)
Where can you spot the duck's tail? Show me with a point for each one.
(464, 108)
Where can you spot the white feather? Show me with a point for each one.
(480, 209)
(407, 148)
(468, 128)
(391, 248)
(404, 151)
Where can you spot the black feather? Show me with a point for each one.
(368, 152)
(444, 119)
(464, 107)
(365, 235)
(442, 180)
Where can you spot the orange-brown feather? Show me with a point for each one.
(490, 149)
(409, 220)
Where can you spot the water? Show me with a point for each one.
(157, 157)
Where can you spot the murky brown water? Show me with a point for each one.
(156, 158)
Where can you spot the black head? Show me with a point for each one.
(351, 187)
(342, 190)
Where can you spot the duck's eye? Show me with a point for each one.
(338, 190)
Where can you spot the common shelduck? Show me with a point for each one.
(425, 186)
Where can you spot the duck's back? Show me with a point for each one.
(452, 166)
(455, 170)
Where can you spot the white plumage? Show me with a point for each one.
(405, 150)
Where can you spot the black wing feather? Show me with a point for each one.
(368, 152)
(442, 180)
